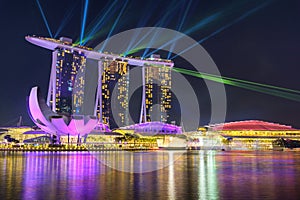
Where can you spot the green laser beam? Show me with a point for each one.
(243, 81)
(258, 87)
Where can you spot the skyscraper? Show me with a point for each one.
(65, 94)
(115, 78)
(157, 92)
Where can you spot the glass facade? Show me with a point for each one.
(68, 64)
(70, 86)
(158, 93)
(115, 78)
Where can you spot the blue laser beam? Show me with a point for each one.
(153, 39)
(137, 43)
(150, 44)
(202, 23)
(44, 18)
(114, 25)
(184, 16)
(66, 18)
(142, 38)
(143, 21)
(179, 27)
(101, 21)
(198, 26)
(224, 27)
(162, 23)
(84, 20)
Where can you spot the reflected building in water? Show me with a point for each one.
(192, 175)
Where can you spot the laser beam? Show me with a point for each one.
(202, 23)
(137, 45)
(100, 22)
(162, 23)
(84, 20)
(179, 27)
(154, 39)
(44, 18)
(224, 27)
(256, 84)
(114, 25)
(258, 87)
(142, 22)
(66, 18)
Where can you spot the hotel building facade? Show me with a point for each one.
(158, 92)
(66, 93)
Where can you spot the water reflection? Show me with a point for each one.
(187, 175)
(207, 176)
(138, 162)
(171, 178)
(259, 174)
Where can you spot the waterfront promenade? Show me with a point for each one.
(82, 147)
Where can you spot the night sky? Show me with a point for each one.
(263, 47)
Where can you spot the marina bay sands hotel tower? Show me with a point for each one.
(68, 83)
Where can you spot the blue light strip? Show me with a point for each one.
(114, 25)
(66, 18)
(224, 27)
(150, 44)
(161, 23)
(180, 27)
(184, 15)
(142, 22)
(100, 23)
(44, 18)
(84, 20)
(201, 24)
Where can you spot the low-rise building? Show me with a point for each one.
(253, 134)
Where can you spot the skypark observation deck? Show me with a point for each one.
(52, 44)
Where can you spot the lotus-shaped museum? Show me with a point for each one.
(54, 123)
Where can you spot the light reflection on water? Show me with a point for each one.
(139, 161)
(192, 175)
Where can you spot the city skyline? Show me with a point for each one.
(261, 48)
(128, 99)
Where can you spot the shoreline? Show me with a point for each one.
(56, 149)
